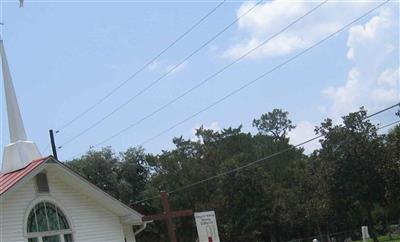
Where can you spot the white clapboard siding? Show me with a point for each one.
(90, 221)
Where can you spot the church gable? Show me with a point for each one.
(85, 219)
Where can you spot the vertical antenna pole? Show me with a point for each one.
(53, 144)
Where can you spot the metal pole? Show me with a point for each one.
(53, 144)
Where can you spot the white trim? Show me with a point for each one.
(49, 233)
(142, 228)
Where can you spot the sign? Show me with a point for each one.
(365, 234)
(206, 224)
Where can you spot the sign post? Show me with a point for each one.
(207, 228)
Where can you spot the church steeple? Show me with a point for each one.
(20, 151)
(16, 126)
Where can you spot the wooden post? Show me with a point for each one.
(168, 215)
(167, 212)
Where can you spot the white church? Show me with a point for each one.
(42, 200)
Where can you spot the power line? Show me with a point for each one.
(161, 77)
(210, 77)
(390, 124)
(147, 64)
(244, 86)
(264, 158)
(263, 75)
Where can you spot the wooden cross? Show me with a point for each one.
(168, 215)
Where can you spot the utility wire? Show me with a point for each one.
(263, 159)
(161, 77)
(244, 86)
(210, 77)
(147, 64)
(390, 124)
(263, 75)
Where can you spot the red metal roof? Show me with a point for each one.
(8, 180)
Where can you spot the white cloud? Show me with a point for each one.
(387, 89)
(166, 66)
(361, 35)
(175, 69)
(371, 81)
(153, 65)
(389, 77)
(265, 16)
(371, 46)
(304, 130)
(281, 45)
(344, 97)
(384, 95)
(267, 19)
(213, 126)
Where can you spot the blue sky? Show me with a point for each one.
(65, 55)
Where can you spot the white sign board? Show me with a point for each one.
(364, 231)
(206, 224)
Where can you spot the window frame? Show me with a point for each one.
(36, 184)
(40, 235)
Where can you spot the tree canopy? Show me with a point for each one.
(353, 179)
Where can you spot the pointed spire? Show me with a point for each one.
(16, 126)
(20, 151)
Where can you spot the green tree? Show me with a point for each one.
(100, 168)
(275, 123)
(352, 180)
(123, 176)
(133, 175)
(389, 169)
(351, 153)
(255, 204)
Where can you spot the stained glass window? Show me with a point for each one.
(45, 217)
(54, 238)
(68, 237)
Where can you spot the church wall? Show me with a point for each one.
(90, 221)
(12, 212)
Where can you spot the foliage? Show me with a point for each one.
(352, 180)
(275, 123)
(123, 176)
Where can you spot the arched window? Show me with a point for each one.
(47, 223)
